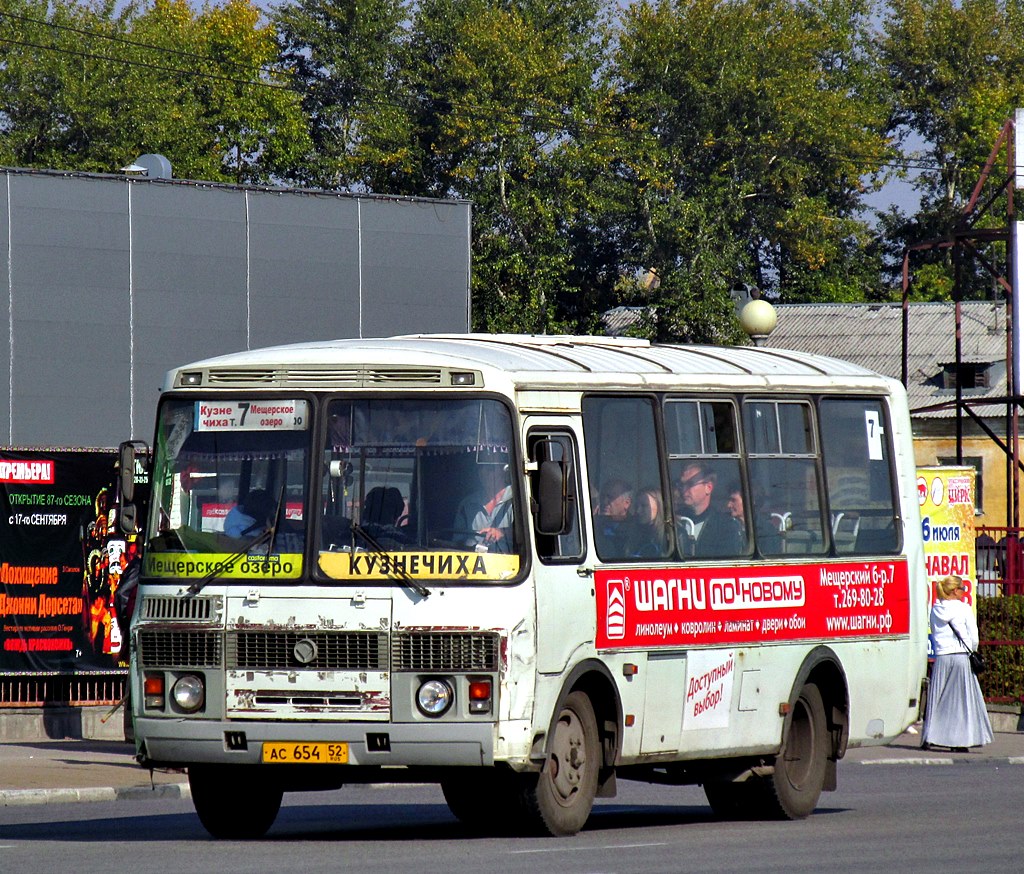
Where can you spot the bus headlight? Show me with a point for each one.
(434, 697)
(188, 693)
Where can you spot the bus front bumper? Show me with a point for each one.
(181, 742)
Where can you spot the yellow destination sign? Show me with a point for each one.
(419, 565)
(286, 566)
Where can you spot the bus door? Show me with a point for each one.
(561, 592)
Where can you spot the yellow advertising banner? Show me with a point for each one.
(946, 496)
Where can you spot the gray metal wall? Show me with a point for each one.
(111, 280)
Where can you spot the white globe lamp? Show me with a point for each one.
(758, 319)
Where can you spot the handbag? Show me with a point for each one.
(976, 659)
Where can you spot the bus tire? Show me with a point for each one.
(233, 802)
(799, 777)
(731, 800)
(485, 801)
(558, 801)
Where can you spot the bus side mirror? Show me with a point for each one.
(126, 464)
(130, 454)
(552, 499)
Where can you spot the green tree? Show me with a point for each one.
(506, 103)
(955, 72)
(345, 57)
(88, 86)
(752, 127)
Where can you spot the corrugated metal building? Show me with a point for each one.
(112, 280)
(872, 335)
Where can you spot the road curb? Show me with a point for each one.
(945, 760)
(22, 797)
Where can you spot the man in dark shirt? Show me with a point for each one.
(715, 534)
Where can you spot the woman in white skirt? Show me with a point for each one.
(955, 716)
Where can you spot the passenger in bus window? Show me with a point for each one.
(715, 533)
(612, 525)
(249, 517)
(650, 538)
(488, 511)
(735, 507)
(767, 533)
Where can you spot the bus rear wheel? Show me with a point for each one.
(232, 801)
(799, 777)
(735, 800)
(558, 801)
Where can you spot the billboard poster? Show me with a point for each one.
(60, 562)
(946, 496)
(649, 608)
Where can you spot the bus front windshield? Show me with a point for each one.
(421, 489)
(229, 488)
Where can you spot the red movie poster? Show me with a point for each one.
(60, 562)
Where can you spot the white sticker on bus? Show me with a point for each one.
(709, 681)
(270, 415)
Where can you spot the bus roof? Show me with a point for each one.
(559, 360)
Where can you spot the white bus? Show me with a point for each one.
(524, 567)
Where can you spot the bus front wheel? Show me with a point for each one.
(558, 801)
(484, 800)
(799, 777)
(232, 801)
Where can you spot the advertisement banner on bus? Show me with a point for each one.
(714, 606)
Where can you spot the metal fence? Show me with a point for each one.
(76, 690)
(1000, 561)
(1000, 569)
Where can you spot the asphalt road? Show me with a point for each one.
(951, 818)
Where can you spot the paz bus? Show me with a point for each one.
(523, 568)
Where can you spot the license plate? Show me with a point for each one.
(276, 753)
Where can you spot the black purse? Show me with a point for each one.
(976, 659)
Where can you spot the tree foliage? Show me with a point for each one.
(955, 72)
(89, 86)
(760, 120)
(656, 154)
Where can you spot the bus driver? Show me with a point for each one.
(488, 511)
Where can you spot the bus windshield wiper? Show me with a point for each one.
(399, 573)
(267, 535)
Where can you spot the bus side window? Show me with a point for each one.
(861, 492)
(558, 446)
(708, 503)
(629, 510)
(784, 477)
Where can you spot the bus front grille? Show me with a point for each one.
(315, 651)
(186, 649)
(445, 651)
(162, 607)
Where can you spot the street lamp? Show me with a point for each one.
(758, 319)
